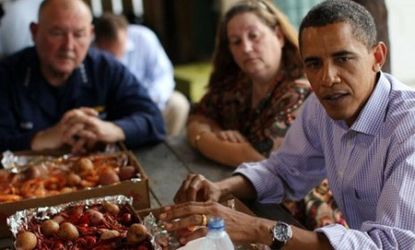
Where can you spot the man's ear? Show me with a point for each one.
(92, 33)
(379, 51)
(33, 30)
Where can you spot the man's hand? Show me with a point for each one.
(184, 218)
(64, 132)
(197, 188)
(51, 138)
(103, 131)
(85, 129)
(81, 129)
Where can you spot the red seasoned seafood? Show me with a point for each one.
(98, 226)
(65, 174)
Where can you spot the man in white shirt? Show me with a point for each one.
(138, 48)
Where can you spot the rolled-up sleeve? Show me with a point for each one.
(293, 170)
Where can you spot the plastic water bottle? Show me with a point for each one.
(217, 238)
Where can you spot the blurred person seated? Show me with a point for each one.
(139, 49)
(60, 92)
(356, 128)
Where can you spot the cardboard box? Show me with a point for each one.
(120, 200)
(139, 190)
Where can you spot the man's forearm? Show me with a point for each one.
(46, 139)
(238, 186)
(142, 128)
(304, 239)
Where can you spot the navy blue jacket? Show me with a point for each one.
(28, 103)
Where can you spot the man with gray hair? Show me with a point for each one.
(62, 93)
(139, 49)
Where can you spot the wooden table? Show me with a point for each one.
(167, 165)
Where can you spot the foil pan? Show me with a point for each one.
(15, 163)
(20, 219)
(18, 163)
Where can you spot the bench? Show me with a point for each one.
(192, 79)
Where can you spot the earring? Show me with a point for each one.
(377, 67)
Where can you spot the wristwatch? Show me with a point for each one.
(281, 233)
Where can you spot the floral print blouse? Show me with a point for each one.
(265, 125)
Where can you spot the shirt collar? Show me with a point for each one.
(129, 49)
(130, 45)
(79, 73)
(373, 113)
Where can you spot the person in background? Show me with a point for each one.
(356, 128)
(256, 87)
(139, 49)
(14, 25)
(60, 92)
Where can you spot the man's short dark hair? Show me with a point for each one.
(107, 27)
(336, 11)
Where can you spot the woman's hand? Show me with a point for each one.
(186, 220)
(197, 188)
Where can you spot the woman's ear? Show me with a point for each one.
(379, 51)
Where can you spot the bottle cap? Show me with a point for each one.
(216, 223)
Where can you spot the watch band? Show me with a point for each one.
(276, 244)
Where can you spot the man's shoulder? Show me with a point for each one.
(15, 67)
(402, 97)
(20, 58)
(141, 32)
(105, 68)
(314, 115)
(138, 28)
(313, 105)
(96, 54)
(401, 109)
(98, 58)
